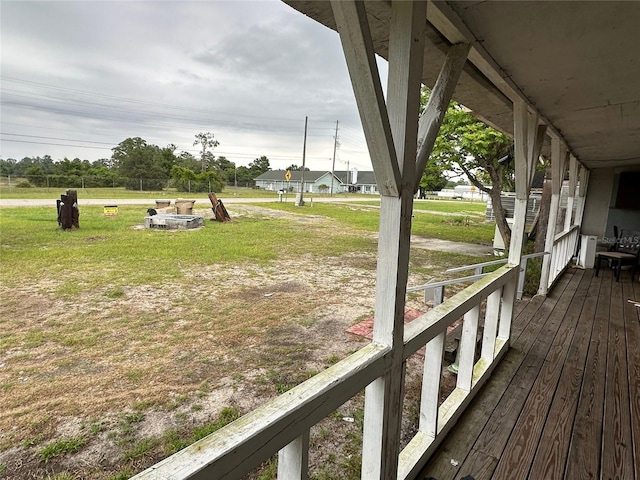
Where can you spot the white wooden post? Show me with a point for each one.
(293, 460)
(582, 192)
(558, 156)
(523, 169)
(573, 181)
(392, 140)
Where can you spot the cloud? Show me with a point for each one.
(103, 71)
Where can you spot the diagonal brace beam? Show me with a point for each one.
(431, 118)
(353, 27)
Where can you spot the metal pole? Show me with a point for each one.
(304, 156)
(333, 165)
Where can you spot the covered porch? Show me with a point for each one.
(553, 386)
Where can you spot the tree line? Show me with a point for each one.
(138, 165)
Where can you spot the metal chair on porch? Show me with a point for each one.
(626, 252)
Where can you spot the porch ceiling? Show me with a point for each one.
(577, 63)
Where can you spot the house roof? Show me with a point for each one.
(296, 175)
(576, 63)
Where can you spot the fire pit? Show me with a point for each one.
(173, 222)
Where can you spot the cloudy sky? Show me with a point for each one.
(78, 77)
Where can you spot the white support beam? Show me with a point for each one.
(384, 397)
(353, 27)
(573, 182)
(431, 118)
(532, 132)
(558, 159)
(522, 168)
(583, 185)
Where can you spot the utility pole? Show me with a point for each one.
(333, 165)
(348, 179)
(300, 199)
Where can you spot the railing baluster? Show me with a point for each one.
(491, 325)
(468, 348)
(293, 459)
(431, 375)
(521, 278)
(431, 385)
(506, 312)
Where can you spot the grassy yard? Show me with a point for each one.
(120, 345)
(456, 221)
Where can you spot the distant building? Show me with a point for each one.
(358, 182)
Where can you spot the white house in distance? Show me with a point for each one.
(358, 182)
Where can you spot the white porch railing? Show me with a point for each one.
(564, 247)
(283, 424)
(436, 289)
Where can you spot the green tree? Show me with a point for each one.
(433, 178)
(226, 168)
(245, 176)
(259, 166)
(186, 160)
(294, 167)
(141, 163)
(207, 141)
(467, 146)
(186, 180)
(35, 175)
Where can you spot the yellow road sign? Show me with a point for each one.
(287, 176)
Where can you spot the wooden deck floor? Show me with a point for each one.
(565, 401)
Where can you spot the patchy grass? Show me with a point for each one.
(60, 447)
(159, 329)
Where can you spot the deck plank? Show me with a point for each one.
(516, 461)
(536, 340)
(551, 456)
(631, 291)
(461, 439)
(617, 461)
(583, 461)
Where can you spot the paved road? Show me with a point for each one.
(202, 202)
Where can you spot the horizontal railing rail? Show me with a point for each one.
(436, 289)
